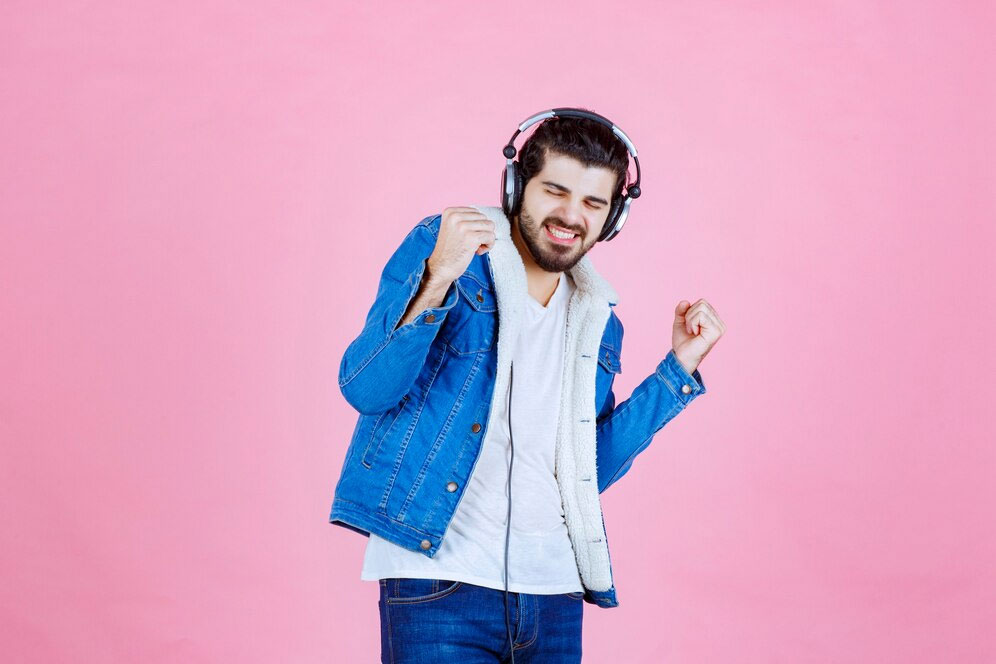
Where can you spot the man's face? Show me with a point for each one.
(572, 197)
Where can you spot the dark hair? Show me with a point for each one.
(588, 141)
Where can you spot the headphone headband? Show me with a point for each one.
(576, 113)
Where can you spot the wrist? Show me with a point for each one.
(434, 281)
(686, 364)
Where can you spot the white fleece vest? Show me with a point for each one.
(587, 314)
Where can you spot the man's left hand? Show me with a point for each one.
(697, 328)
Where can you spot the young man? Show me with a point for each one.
(488, 426)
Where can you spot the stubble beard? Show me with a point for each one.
(547, 255)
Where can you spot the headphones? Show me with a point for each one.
(512, 186)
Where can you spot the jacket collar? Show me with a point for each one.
(586, 277)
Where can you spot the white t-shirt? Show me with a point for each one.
(540, 556)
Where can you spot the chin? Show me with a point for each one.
(560, 261)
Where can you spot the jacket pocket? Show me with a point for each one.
(381, 428)
(471, 326)
(608, 359)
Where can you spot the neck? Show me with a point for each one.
(541, 284)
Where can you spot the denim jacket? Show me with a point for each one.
(424, 396)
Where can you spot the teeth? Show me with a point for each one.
(559, 233)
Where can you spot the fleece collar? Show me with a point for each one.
(575, 458)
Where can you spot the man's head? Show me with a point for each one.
(574, 169)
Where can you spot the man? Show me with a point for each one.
(492, 345)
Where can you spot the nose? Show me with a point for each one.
(573, 215)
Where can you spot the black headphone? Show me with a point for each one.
(512, 186)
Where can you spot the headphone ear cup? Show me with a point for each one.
(519, 188)
(610, 221)
(622, 215)
(511, 189)
(506, 195)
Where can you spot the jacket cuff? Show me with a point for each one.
(685, 386)
(431, 317)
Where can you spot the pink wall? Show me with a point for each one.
(196, 203)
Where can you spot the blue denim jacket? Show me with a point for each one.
(424, 396)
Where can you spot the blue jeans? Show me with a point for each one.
(425, 621)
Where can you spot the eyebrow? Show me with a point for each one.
(564, 189)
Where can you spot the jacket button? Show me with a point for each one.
(451, 486)
(426, 544)
(476, 427)
(685, 388)
(480, 298)
(430, 318)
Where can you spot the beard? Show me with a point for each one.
(549, 256)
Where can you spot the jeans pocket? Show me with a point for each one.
(417, 591)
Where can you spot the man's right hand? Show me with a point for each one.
(463, 232)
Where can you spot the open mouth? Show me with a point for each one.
(560, 235)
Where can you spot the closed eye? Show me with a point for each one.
(558, 194)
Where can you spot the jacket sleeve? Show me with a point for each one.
(623, 431)
(380, 365)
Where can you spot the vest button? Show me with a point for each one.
(476, 427)
(430, 318)
(685, 388)
(451, 486)
(426, 544)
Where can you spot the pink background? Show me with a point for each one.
(197, 200)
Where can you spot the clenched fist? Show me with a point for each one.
(697, 328)
(463, 231)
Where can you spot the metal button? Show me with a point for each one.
(480, 298)
(430, 318)
(426, 544)
(685, 388)
(451, 486)
(476, 427)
